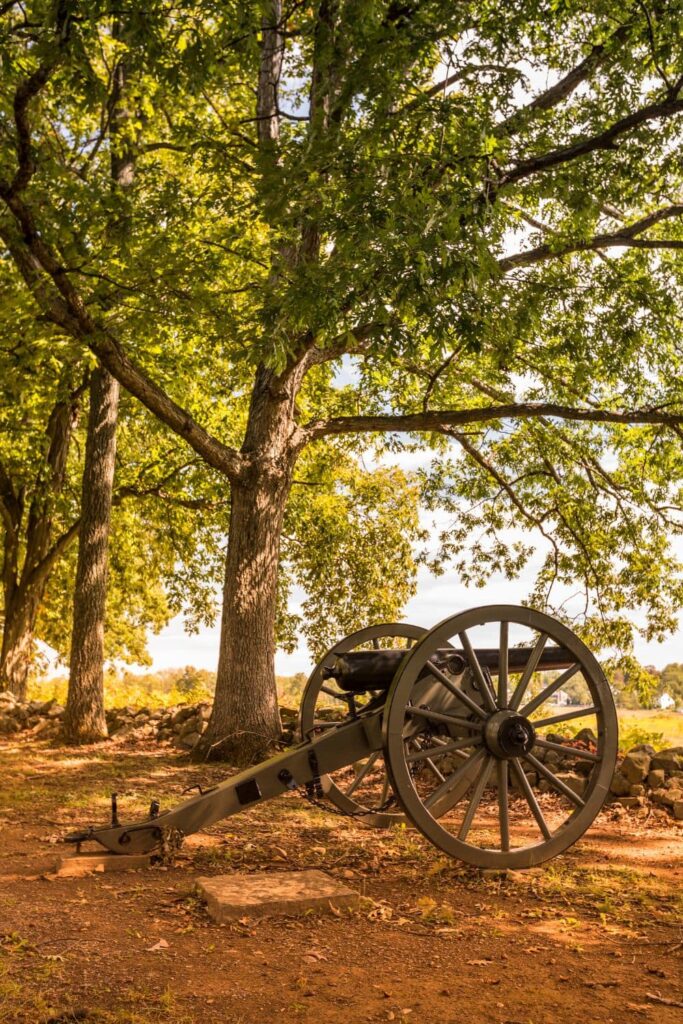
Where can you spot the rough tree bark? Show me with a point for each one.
(20, 614)
(84, 720)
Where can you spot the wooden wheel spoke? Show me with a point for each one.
(475, 799)
(530, 798)
(477, 672)
(529, 670)
(439, 716)
(543, 696)
(441, 749)
(566, 716)
(556, 783)
(362, 773)
(562, 748)
(335, 694)
(452, 780)
(503, 811)
(384, 796)
(470, 704)
(503, 664)
(434, 770)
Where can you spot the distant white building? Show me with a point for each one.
(666, 701)
(561, 697)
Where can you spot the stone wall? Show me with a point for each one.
(644, 778)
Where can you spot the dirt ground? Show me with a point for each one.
(593, 936)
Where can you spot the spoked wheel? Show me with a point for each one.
(364, 786)
(497, 738)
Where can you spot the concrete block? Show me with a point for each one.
(79, 864)
(293, 893)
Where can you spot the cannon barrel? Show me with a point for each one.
(359, 671)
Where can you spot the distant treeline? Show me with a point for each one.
(190, 685)
(160, 689)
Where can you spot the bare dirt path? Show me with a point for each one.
(595, 936)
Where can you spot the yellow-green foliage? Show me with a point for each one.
(165, 688)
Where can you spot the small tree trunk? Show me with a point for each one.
(18, 641)
(84, 720)
(246, 719)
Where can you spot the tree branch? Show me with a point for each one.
(504, 484)
(555, 95)
(68, 310)
(624, 237)
(604, 140)
(65, 306)
(40, 572)
(440, 421)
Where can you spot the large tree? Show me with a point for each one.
(471, 213)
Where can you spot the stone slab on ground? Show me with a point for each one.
(264, 894)
(76, 865)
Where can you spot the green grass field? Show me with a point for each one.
(660, 728)
(665, 724)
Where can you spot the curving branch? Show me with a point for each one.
(40, 572)
(441, 421)
(625, 237)
(563, 89)
(605, 140)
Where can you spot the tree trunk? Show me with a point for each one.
(84, 720)
(20, 616)
(246, 719)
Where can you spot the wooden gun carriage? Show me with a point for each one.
(458, 738)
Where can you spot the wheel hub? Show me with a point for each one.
(508, 734)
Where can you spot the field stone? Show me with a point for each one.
(670, 760)
(189, 726)
(638, 789)
(577, 783)
(189, 740)
(677, 809)
(645, 748)
(262, 894)
(656, 778)
(635, 766)
(619, 785)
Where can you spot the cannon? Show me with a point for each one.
(455, 730)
